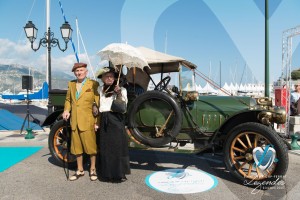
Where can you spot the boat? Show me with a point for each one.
(41, 94)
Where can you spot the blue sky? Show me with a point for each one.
(209, 33)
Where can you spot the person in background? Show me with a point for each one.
(81, 95)
(113, 156)
(295, 95)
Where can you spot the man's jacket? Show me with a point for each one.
(81, 108)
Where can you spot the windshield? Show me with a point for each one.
(187, 79)
(183, 80)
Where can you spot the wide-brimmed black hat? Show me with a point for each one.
(105, 70)
(107, 67)
(297, 83)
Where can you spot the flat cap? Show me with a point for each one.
(78, 65)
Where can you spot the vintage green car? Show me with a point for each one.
(167, 117)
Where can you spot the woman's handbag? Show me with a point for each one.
(118, 105)
(95, 110)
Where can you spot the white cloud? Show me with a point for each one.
(11, 52)
(21, 53)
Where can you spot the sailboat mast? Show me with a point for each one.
(166, 41)
(77, 33)
(47, 28)
(220, 75)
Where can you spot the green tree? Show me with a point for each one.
(295, 74)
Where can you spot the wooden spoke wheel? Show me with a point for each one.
(58, 145)
(248, 146)
(241, 155)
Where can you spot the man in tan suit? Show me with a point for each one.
(81, 95)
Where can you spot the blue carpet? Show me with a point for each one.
(10, 156)
(10, 121)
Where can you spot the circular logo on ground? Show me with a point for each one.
(181, 181)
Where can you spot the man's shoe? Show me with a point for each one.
(77, 175)
(93, 175)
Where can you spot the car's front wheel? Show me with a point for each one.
(255, 152)
(58, 144)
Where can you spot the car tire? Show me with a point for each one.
(57, 143)
(254, 134)
(138, 135)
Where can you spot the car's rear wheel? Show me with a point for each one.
(255, 152)
(154, 118)
(58, 145)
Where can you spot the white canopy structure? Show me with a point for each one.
(225, 87)
(208, 89)
(198, 87)
(161, 62)
(188, 87)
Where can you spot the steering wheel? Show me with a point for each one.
(163, 83)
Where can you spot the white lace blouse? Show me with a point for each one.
(105, 102)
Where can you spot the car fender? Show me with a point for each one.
(243, 117)
(52, 118)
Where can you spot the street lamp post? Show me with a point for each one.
(48, 41)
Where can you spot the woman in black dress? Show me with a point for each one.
(113, 157)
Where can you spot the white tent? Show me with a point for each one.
(188, 87)
(208, 89)
(225, 88)
(232, 89)
(242, 88)
(198, 88)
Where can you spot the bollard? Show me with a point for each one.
(29, 134)
(294, 144)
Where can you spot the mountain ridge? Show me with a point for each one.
(11, 78)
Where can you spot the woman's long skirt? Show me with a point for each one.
(113, 156)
